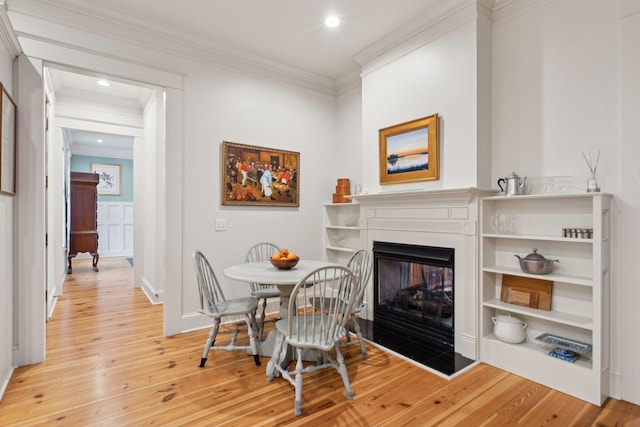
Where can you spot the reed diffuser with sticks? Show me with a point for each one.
(592, 183)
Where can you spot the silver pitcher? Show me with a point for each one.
(514, 185)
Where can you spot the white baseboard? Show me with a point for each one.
(5, 382)
(154, 296)
(615, 385)
(51, 305)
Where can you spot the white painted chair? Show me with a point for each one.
(335, 288)
(215, 305)
(361, 264)
(257, 253)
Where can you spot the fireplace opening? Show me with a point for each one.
(414, 303)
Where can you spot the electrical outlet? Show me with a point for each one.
(221, 224)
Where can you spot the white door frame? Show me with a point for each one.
(31, 278)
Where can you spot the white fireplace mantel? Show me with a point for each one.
(456, 196)
(441, 218)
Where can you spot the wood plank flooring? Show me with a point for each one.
(108, 364)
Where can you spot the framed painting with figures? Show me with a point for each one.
(259, 176)
(409, 151)
(110, 177)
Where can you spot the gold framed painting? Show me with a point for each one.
(409, 151)
(259, 176)
(8, 143)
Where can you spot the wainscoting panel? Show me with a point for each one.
(115, 229)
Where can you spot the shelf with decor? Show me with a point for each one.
(342, 235)
(574, 230)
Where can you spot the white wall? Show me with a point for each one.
(145, 196)
(628, 316)
(556, 77)
(558, 83)
(56, 249)
(29, 249)
(225, 106)
(349, 149)
(438, 75)
(7, 252)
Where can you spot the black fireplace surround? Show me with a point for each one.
(414, 303)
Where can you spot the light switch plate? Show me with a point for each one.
(221, 224)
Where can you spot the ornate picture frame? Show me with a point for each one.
(259, 176)
(8, 143)
(110, 178)
(409, 151)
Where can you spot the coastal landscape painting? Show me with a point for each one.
(409, 151)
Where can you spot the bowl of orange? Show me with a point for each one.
(284, 260)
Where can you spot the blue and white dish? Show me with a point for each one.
(566, 355)
(565, 343)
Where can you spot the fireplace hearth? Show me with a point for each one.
(414, 303)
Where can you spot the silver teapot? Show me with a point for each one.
(514, 185)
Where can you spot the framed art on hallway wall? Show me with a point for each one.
(259, 176)
(8, 111)
(409, 151)
(110, 178)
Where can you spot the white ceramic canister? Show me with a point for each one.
(509, 329)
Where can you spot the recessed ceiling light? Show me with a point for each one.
(100, 141)
(332, 21)
(104, 83)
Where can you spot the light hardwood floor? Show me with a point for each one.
(108, 364)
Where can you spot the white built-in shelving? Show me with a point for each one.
(514, 225)
(341, 231)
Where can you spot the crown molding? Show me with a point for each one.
(348, 83)
(421, 31)
(7, 34)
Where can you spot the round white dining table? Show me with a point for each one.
(265, 273)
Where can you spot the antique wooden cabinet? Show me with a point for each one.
(83, 230)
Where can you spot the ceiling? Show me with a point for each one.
(290, 33)
(72, 87)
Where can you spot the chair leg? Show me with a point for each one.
(298, 383)
(342, 368)
(210, 341)
(250, 320)
(356, 327)
(262, 318)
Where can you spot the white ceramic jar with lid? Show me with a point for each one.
(509, 329)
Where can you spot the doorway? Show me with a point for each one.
(96, 120)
